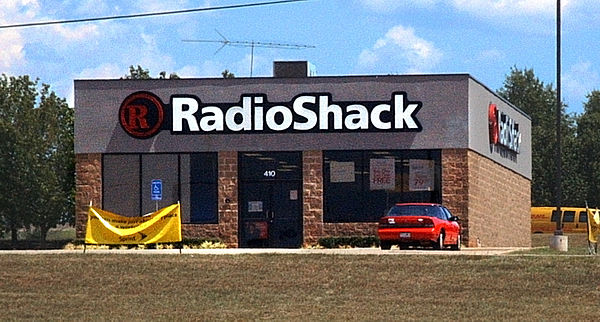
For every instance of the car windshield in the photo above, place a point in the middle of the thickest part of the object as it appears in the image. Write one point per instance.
(416, 210)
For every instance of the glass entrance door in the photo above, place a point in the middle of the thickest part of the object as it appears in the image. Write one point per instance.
(271, 199)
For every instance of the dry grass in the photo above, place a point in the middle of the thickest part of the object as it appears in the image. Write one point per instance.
(298, 287)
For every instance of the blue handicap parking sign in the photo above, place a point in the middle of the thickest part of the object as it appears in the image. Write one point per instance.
(156, 189)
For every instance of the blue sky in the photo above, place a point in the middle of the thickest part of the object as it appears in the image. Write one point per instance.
(484, 38)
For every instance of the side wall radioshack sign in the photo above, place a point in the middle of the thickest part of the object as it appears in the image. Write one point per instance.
(504, 131)
(143, 115)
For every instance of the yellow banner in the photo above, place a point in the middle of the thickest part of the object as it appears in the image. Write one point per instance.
(163, 226)
(593, 225)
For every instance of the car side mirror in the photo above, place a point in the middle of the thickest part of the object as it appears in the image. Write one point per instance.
(454, 218)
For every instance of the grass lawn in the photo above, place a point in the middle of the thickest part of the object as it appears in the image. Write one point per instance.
(298, 287)
(578, 245)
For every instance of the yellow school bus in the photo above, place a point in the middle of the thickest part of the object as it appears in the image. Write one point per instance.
(543, 219)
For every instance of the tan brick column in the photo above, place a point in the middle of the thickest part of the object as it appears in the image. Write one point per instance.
(455, 187)
(312, 173)
(88, 187)
(228, 197)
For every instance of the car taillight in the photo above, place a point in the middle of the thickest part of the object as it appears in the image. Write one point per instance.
(425, 222)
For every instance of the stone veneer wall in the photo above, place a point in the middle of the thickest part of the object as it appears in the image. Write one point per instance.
(492, 201)
(499, 204)
(312, 174)
(227, 228)
(455, 187)
(88, 185)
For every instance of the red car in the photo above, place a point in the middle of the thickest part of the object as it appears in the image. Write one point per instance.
(419, 224)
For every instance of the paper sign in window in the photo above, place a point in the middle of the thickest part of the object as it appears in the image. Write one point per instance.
(420, 175)
(382, 174)
(341, 172)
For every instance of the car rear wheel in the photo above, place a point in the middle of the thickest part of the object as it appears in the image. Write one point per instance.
(440, 241)
(458, 241)
(385, 245)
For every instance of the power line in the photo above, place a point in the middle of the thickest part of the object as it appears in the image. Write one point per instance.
(149, 14)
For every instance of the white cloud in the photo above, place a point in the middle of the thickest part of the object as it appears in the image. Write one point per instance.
(77, 33)
(12, 42)
(579, 81)
(11, 49)
(103, 71)
(400, 50)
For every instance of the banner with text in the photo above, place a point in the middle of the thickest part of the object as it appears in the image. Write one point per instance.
(162, 226)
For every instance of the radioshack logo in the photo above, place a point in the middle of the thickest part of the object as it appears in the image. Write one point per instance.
(503, 129)
(141, 115)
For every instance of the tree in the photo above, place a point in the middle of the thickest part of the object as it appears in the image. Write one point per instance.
(588, 143)
(524, 90)
(227, 74)
(138, 73)
(141, 73)
(37, 165)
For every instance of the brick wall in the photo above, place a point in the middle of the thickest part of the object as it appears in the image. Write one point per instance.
(312, 172)
(88, 183)
(499, 204)
(455, 186)
(492, 202)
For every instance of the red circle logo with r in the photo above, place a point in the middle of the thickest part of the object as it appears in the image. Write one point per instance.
(141, 115)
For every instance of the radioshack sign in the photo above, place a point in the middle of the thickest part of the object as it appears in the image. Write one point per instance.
(143, 115)
(503, 129)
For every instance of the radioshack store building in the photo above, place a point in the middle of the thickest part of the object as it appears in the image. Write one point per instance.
(283, 161)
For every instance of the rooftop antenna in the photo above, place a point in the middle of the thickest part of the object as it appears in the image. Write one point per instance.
(226, 42)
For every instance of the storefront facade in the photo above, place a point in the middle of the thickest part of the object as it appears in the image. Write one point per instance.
(284, 161)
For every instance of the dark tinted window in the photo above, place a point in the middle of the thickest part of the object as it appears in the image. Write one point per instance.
(554, 217)
(416, 210)
(259, 166)
(583, 216)
(203, 188)
(188, 178)
(569, 216)
(351, 194)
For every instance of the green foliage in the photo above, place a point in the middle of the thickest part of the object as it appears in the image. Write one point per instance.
(588, 143)
(227, 74)
(524, 90)
(141, 73)
(352, 241)
(37, 163)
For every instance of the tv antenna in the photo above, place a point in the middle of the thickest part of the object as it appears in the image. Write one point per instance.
(226, 42)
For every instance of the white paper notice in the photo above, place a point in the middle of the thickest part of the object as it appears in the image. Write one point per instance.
(420, 175)
(341, 172)
(382, 174)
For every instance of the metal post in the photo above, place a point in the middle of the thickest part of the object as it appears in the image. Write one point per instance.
(558, 183)
(559, 241)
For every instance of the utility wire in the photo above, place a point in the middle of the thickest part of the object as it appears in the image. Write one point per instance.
(149, 14)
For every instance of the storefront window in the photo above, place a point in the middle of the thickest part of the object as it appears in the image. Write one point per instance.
(203, 188)
(360, 186)
(190, 179)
